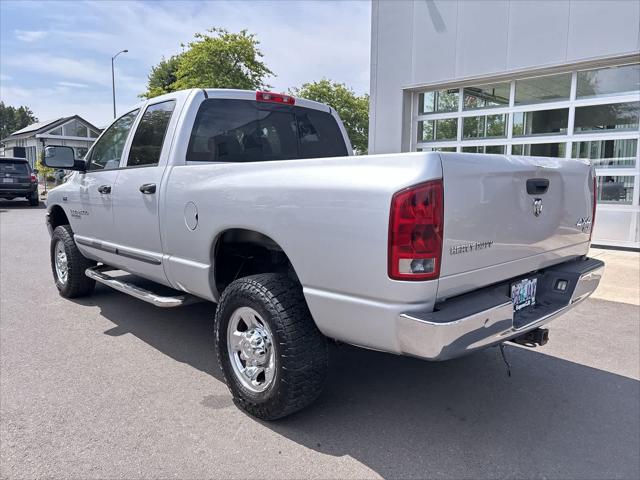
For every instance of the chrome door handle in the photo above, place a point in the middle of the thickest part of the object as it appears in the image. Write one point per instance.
(105, 189)
(148, 188)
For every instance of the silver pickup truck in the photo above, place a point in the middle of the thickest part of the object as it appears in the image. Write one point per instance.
(253, 200)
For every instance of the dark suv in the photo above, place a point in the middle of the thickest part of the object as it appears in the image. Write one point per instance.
(18, 180)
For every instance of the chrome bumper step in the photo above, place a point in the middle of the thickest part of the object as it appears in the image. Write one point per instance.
(98, 274)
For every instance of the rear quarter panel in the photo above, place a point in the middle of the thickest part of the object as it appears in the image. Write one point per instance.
(330, 216)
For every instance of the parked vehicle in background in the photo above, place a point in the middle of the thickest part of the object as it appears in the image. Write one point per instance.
(254, 201)
(18, 180)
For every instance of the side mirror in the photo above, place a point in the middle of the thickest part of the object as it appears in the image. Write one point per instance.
(35, 171)
(56, 156)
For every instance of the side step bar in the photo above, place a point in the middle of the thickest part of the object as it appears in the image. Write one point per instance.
(97, 274)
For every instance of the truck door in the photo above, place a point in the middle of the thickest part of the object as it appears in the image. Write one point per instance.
(90, 206)
(136, 194)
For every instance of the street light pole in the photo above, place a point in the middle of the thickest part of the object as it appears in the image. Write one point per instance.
(113, 81)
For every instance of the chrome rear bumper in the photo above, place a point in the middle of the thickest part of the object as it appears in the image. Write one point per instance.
(483, 318)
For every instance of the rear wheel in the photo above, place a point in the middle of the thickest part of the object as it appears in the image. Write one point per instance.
(68, 265)
(34, 200)
(273, 356)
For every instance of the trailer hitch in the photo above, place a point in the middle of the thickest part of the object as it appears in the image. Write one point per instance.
(537, 337)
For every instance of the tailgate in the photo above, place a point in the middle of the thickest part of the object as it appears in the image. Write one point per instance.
(515, 213)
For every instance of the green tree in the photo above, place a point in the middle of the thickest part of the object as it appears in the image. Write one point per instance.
(216, 59)
(13, 119)
(162, 77)
(353, 109)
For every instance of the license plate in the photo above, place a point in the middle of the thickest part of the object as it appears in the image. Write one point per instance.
(7, 180)
(523, 293)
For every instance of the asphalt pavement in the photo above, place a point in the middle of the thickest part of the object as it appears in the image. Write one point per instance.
(111, 387)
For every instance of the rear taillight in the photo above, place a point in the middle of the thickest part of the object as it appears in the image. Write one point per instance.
(275, 98)
(595, 202)
(34, 178)
(415, 232)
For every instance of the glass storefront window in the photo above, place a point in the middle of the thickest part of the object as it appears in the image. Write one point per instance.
(487, 96)
(439, 101)
(608, 81)
(617, 190)
(442, 129)
(499, 149)
(617, 116)
(541, 122)
(540, 149)
(551, 88)
(607, 153)
(484, 126)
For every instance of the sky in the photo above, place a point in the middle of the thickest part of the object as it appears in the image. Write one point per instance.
(55, 57)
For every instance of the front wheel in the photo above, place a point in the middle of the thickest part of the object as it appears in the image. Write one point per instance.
(68, 264)
(273, 357)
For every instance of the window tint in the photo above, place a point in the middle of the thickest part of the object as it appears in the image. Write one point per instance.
(19, 168)
(149, 137)
(598, 118)
(107, 151)
(540, 122)
(556, 150)
(248, 131)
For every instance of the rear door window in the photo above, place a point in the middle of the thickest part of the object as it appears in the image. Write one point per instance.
(149, 137)
(248, 131)
(15, 168)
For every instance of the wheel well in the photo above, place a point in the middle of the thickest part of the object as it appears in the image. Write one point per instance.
(57, 217)
(239, 253)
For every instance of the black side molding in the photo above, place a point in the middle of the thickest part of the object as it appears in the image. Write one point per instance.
(119, 251)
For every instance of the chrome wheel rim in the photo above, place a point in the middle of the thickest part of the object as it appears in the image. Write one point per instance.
(60, 262)
(250, 349)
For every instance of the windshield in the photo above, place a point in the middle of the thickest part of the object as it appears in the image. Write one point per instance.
(247, 131)
(18, 168)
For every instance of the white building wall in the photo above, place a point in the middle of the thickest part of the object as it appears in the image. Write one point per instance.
(431, 42)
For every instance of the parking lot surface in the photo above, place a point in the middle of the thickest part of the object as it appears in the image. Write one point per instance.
(111, 387)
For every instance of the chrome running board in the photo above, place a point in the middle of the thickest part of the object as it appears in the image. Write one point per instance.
(97, 274)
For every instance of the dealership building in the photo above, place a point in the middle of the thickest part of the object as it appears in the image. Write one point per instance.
(556, 79)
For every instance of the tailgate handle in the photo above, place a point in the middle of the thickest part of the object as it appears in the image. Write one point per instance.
(537, 186)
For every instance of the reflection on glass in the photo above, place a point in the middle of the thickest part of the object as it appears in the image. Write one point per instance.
(608, 153)
(618, 190)
(542, 122)
(540, 149)
(442, 129)
(486, 96)
(551, 88)
(499, 149)
(439, 101)
(617, 116)
(485, 126)
(608, 81)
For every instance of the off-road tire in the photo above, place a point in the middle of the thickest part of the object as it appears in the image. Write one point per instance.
(301, 351)
(77, 284)
(34, 200)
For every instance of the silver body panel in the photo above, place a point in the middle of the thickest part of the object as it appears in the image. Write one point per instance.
(331, 218)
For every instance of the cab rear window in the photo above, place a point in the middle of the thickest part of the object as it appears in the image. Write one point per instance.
(18, 168)
(247, 131)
